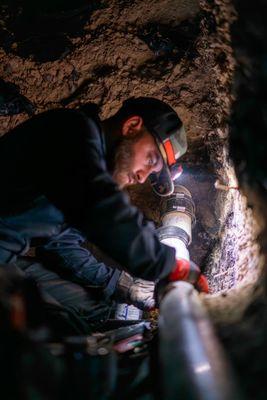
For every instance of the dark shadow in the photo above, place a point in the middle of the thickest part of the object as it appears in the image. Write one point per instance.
(42, 30)
(248, 137)
(175, 42)
(246, 340)
(12, 102)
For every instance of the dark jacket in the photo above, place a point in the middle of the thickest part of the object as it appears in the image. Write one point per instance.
(55, 184)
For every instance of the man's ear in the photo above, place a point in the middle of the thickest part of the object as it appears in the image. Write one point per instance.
(132, 125)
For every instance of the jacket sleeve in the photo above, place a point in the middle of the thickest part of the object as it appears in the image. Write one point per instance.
(65, 252)
(72, 171)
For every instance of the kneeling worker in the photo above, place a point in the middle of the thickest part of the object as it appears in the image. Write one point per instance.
(62, 175)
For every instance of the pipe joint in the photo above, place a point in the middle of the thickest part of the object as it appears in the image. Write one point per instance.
(177, 218)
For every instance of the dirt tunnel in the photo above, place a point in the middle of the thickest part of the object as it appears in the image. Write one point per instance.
(200, 57)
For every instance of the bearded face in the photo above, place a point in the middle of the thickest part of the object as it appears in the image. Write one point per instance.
(123, 161)
(136, 157)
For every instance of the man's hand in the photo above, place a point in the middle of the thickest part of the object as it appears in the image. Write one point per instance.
(136, 291)
(188, 271)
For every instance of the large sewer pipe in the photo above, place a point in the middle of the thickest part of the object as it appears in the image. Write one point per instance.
(192, 362)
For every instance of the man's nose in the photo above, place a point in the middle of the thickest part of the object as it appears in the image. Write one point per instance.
(142, 175)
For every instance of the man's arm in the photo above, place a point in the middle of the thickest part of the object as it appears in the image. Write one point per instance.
(72, 172)
(64, 252)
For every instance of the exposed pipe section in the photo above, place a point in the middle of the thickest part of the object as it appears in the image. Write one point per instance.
(178, 217)
(192, 362)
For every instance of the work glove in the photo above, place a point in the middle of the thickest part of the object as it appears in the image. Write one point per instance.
(188, 271)
(135, 291)
(184, 270)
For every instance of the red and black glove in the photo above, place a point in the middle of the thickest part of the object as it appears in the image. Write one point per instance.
(184, 270)
(188, 271)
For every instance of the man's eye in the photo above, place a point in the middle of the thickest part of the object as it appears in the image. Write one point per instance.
(151, 161)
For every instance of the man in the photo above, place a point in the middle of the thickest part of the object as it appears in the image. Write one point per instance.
(61, 178)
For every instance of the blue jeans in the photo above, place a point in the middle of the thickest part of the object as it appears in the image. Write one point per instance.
(70, 308)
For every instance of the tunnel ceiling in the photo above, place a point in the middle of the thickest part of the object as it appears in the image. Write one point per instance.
(55, 55)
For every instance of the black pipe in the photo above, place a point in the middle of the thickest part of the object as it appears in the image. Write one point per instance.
(192, 362)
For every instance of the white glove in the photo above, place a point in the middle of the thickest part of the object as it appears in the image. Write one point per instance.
(136, 291)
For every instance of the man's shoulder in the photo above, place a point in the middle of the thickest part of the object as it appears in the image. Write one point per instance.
(77, 118)
(78, 127)
(91, 110)
(52, 130)
(63, 116)
(88, 110)
(67, 124)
